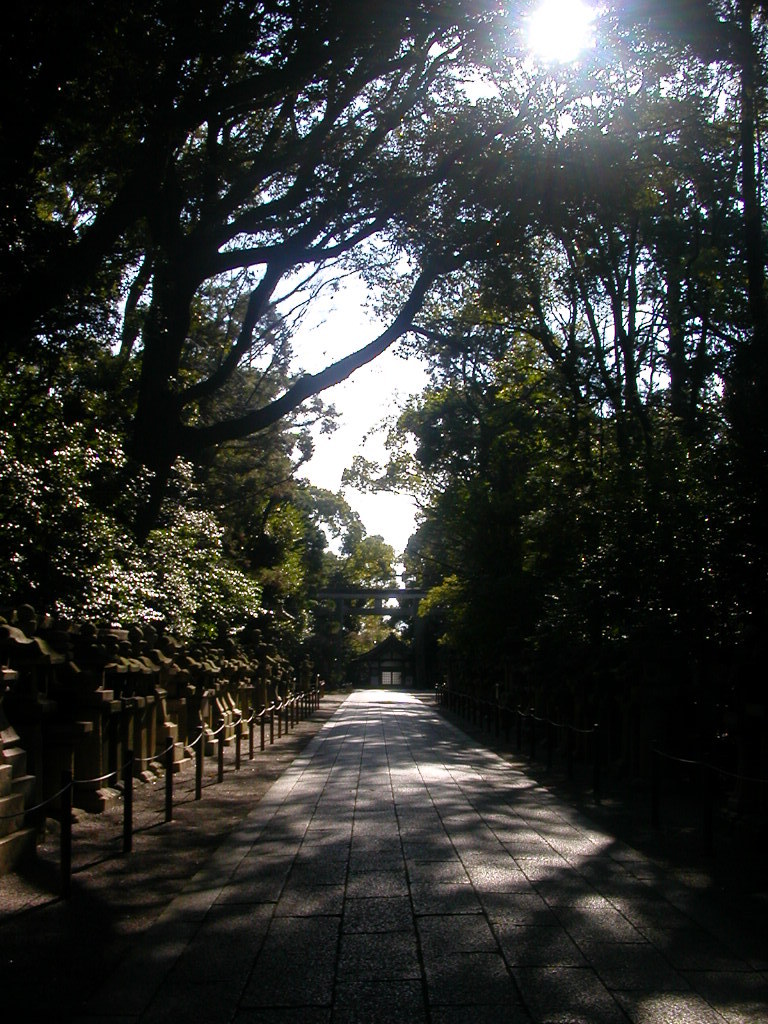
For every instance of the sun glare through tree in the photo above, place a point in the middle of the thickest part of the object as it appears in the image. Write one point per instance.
(560, 30)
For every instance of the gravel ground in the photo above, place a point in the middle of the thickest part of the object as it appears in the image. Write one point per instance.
(55, 953)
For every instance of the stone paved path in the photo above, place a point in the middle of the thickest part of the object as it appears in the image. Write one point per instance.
(397, 873)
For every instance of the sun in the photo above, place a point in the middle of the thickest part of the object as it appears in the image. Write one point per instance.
(559, 30)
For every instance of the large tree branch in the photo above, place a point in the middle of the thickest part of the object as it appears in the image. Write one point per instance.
(257, 303)
(195, 439)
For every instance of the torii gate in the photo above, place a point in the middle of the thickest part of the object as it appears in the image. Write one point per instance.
(371, 600)
(374, 601)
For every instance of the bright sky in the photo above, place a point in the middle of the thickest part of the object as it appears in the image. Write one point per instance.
(363, 401)
(558, 30)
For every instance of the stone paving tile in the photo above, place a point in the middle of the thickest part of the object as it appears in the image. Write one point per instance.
(379, 956)
(378, 914)
(321, 833)
(422, 827)
(651, 915)
(329, 849)
(256, 880)
(741, 999)
(279, 983)
(386, 858)
(545, 867)
(310, 901)
(633, 966)
(468, 979)
(289, 934)
(377, 883)
(567, 995)
(226, 946)
(693, 949)
(519, 908)
(443, 871)
(456, 933)
(398, 874)
(371, 1002)
(437, 898)
(564, 889)
(432, 848)
(532, 946)
(513, 1013)
(182, 1001)
(315, 869)
(284, 1015)
(668, 1008)
(501, 877)
(597, 922)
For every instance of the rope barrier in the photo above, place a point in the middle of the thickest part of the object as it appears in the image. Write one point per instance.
(98, 778)
(523, 714)
(590, 731)
(710, 767)
(165, 758)
(36, 807)
(739, 778)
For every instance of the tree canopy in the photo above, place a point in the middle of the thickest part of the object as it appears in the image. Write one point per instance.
(577, 252)
(158, 151)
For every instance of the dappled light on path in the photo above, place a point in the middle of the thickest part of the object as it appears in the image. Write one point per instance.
(397, 871)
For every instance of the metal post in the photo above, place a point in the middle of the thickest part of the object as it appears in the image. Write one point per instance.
(221, 750)
(569, 750)
(655, 788)
(128, 803)
(597, 764)
(262, 723)
(65, 834)
(238, 738)
(199, 755)
(272, 723)
(251, 729)
(707, 805)
(169, 779)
